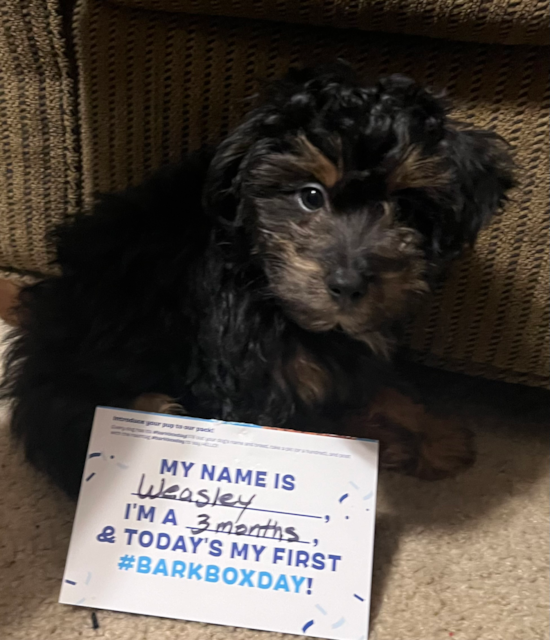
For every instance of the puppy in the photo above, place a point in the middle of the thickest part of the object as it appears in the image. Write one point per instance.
(263, 281)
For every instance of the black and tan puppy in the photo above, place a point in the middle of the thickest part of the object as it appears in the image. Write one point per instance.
(262, 281)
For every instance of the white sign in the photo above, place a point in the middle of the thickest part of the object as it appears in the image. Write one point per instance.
(225, 523)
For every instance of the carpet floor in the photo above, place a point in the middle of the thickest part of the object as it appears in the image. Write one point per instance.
(466, 558)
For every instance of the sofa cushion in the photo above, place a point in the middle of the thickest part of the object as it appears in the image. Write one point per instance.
(497, 21)
(39, 179)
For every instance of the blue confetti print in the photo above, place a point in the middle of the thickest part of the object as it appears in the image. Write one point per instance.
(338, 624)
(307, 626)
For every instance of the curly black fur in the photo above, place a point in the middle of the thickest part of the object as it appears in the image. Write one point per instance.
(208, 282)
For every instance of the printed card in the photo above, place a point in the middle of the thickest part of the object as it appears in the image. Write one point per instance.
(225, 523)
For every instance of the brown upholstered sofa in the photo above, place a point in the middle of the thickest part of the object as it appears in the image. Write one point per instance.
(96, 93)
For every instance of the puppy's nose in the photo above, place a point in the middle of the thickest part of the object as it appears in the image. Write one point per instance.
(347, 285)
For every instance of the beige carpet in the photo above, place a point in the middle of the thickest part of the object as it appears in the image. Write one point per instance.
(465, 558)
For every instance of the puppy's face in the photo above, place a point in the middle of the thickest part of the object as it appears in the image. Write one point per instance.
(352, 195)
(334, 250)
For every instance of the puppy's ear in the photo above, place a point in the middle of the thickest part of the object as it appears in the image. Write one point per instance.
(473, 172)
(482, 169)
(222, 187)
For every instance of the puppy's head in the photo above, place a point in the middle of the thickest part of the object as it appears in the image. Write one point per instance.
(352, 195)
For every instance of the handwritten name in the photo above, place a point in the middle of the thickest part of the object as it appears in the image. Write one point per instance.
(200, 498)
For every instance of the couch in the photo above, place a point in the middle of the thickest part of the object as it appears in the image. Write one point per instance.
(95, 94)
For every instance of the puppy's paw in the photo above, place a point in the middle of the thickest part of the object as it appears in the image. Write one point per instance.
(413, 441)
(445, 454)
(434, 456)
(158, 403)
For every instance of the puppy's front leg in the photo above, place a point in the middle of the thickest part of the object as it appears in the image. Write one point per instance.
(412, 441)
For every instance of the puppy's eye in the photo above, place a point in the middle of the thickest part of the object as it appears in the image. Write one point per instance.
(311, 198)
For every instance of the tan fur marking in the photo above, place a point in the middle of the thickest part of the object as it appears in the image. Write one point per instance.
(297, 274)
(8, 302)
(157, 403)
(318, 164)
(416, 171)
(299, 263)
(308, 378)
